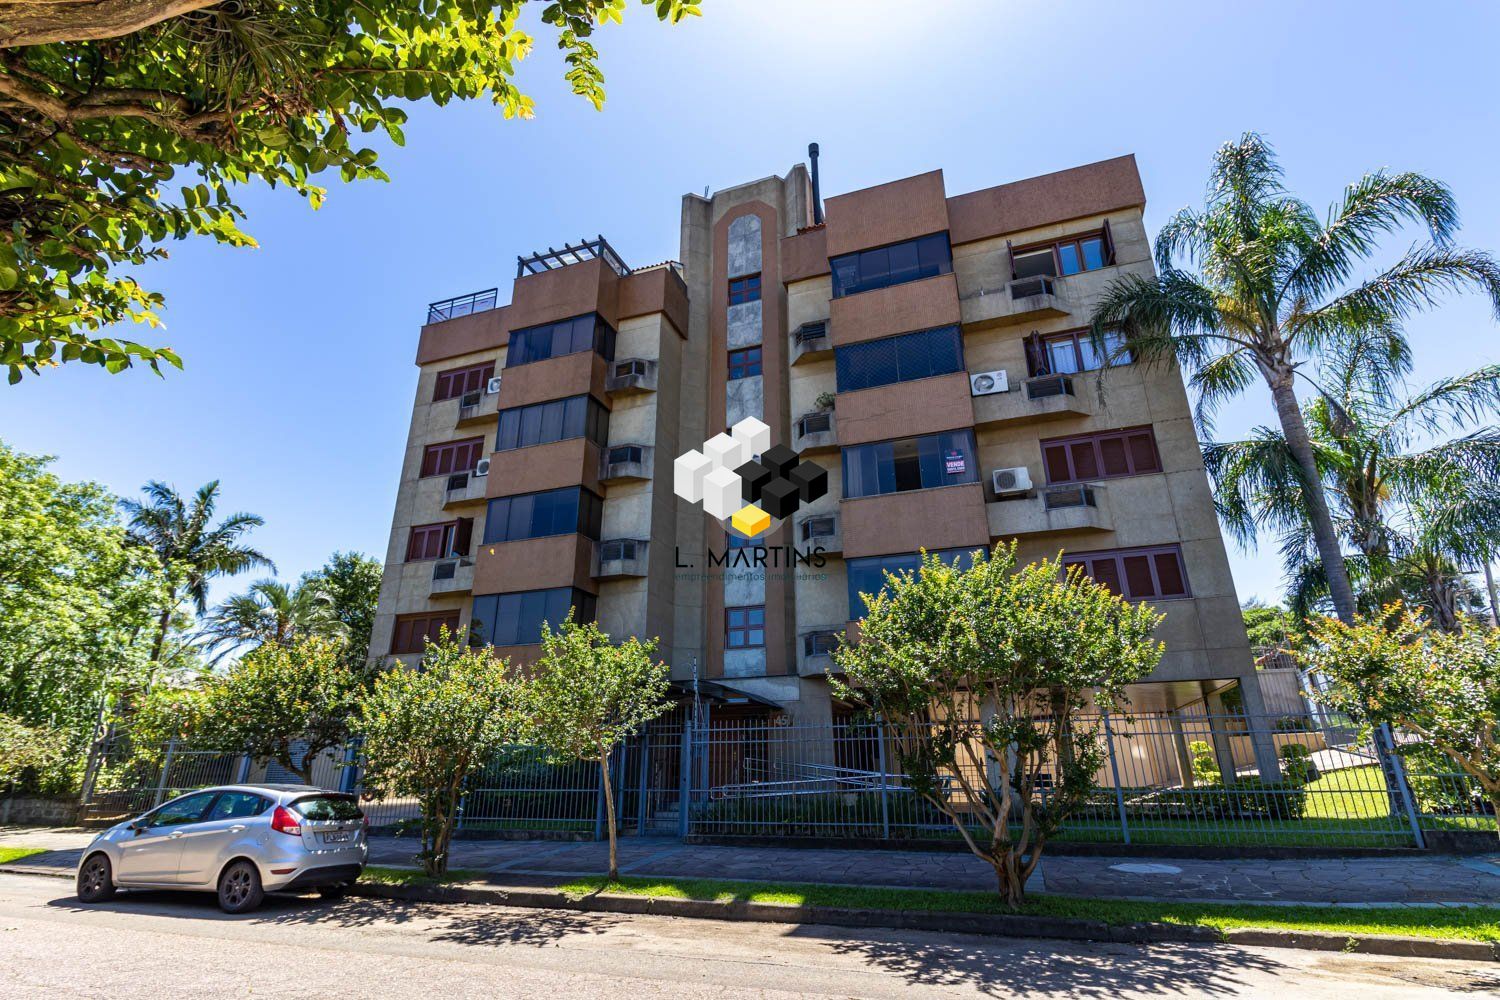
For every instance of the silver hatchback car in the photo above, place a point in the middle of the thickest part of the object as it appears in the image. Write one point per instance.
(240, 841)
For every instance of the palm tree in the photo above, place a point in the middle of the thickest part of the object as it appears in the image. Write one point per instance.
(1412, 517)
(1272, 291)
(191, 547)
(272, 612)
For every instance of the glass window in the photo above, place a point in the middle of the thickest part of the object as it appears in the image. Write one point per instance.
(1034, 263)
(516, 619)
(867, 575)
(919, 463)
(411, 631)
(557, 420)
(430, 541)
(236, 805)
(745, 627)
(553, 340)
(1072, 352)
(880, 267)
(1093, 253)
(188, 809)
(450, 457)
(744, 363)
(1069, 256)
(322, 808)
(1068, 261)
(903, 358)
(539, 515)
(746, 289)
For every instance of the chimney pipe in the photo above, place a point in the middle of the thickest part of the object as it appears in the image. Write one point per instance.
(817, 206)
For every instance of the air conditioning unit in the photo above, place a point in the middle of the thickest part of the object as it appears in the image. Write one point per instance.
(989, 383)
(482, 467)
(1009, 482)
(492, 386)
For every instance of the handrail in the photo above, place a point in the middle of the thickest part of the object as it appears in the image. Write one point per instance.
(462, 305)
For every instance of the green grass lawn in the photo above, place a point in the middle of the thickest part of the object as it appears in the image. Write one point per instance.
(10, 854)
(1474, 924)
(414, 876)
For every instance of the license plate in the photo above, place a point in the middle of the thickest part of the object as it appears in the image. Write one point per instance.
(337, 838)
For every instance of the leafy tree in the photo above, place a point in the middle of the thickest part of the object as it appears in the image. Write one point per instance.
(586, 696)
(977, 675)
(426, 732)
(289, 703)
(351, 583)
(1272, 289)
(128, 123)
(190, 546)
(1412, 515)
(271, 612)
(77, 603)
(1443, 687)
(32, 758)
(1268, 627)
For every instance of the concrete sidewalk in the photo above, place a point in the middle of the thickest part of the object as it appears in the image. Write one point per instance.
(1420, 880)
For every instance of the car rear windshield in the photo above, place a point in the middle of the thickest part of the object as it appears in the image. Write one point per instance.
(327, 807)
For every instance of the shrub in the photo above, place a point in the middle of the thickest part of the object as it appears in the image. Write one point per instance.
(1205, 764)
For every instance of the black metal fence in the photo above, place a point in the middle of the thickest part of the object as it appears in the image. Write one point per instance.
(1171, 778)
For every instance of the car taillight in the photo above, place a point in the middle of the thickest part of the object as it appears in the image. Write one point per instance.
(283, 820)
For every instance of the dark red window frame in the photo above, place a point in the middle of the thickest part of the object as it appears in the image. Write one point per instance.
(1106, 250)
(451, 456)
(744, 363)
(1154, 573)
(742, 623)
(1130, 451)
(410, 630)
(430, 541)
(460, 381)
(746, 289)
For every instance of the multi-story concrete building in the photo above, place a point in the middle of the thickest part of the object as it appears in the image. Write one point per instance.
(926, 349)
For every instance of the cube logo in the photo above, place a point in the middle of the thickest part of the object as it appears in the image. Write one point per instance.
(750, 494)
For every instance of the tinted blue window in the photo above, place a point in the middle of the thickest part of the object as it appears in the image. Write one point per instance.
(867, 575)
(880, 267)
(516, 619)
(919, 463)
(553, 340)
(910, 356)
(558, 420)
(538, 515)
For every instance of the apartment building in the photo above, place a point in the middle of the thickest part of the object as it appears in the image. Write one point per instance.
(925, 350)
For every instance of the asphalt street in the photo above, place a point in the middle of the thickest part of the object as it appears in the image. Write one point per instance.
(162, 944)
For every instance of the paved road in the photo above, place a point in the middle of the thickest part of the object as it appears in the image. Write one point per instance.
(151, 945)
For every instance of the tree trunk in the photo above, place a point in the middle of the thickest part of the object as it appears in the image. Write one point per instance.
(1295, 431)
(88, 20)
(164, 623)
(1489, 585)
(609, 814)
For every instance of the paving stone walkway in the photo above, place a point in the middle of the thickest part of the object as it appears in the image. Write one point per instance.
(1417, 880)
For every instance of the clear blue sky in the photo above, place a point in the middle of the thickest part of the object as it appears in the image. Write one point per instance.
(299, 377)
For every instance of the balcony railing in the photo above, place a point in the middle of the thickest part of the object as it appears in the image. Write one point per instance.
(463, 305)
(615, 557)
(631, 374)
(1025, 288)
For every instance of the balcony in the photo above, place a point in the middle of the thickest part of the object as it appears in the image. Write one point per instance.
(1053, 510)
(466, 489)
(462, 305)
(621, 557)
(1025, 300)
(815, 432)
(885, 312)
(1048, 397)
(452, 576)
(623, 463)
(477, 407)
(815, 650)
(810, 342)
(944, 517)
(631, 375)
(819, 531)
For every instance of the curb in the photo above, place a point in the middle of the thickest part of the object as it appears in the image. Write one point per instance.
(988, 924)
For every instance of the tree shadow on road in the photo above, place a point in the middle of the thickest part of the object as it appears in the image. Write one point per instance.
(1007, 966)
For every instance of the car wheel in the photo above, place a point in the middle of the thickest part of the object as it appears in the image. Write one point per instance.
(239, 888)
(338, 891)
(96, 881)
